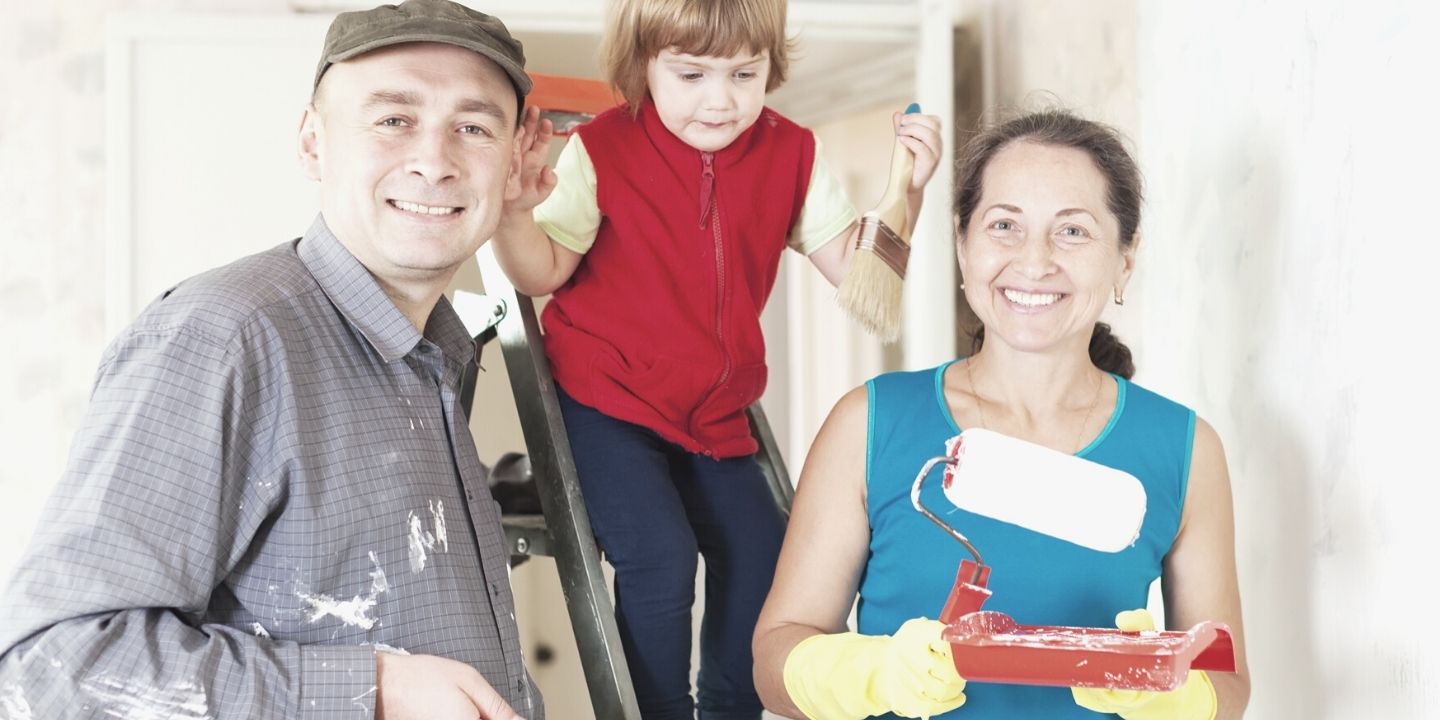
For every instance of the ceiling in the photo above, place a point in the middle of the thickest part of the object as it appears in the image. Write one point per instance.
(851, 55)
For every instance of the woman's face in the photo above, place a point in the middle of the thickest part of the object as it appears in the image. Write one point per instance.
(1041, 254)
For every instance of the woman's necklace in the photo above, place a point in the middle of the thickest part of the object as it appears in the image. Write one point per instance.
(980, 404)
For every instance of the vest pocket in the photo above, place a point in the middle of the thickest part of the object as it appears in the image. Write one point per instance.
(665, 386)
(746, 384)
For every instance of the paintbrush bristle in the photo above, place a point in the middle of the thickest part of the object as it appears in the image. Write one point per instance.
(870, 293)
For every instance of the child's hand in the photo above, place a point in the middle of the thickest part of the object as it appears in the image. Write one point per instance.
(536, 177)
(920, 133)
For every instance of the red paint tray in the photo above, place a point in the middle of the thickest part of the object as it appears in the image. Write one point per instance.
(990, 646)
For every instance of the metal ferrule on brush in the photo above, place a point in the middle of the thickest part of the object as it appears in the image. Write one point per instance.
(877, 237)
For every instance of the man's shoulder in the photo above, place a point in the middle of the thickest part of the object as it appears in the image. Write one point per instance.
(221, 303)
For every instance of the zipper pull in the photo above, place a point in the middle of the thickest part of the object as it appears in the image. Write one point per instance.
(707, 184)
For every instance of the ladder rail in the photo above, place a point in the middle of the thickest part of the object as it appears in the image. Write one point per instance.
(592, 614)
(772, 463)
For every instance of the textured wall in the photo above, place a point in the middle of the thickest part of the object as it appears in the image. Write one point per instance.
(52, 149)
(1288, 273)
(1284, 291)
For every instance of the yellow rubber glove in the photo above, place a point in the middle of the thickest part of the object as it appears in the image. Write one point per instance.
(1194, 700)
(848, 675)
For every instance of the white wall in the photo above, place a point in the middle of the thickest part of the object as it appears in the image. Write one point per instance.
(1284, 292)
(1288, 277)
(52, 275)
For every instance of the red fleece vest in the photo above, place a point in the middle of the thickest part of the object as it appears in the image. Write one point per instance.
(660, 324)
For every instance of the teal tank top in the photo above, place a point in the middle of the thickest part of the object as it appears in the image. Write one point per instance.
(1036, 579)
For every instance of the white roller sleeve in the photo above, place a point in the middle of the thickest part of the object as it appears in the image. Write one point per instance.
(1044, 490)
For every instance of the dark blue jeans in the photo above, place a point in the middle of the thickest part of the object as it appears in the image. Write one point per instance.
(654, 509)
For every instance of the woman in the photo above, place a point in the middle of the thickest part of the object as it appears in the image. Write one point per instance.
(1046, 216)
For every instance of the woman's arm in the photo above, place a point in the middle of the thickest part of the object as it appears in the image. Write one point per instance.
(1199, 581)
(826, 544)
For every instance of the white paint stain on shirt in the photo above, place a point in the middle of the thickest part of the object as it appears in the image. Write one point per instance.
(354, 611)
(365, 702)
(437, 512)
(378, 583)
(128, 700)
(13, 705)
(260, 630)
(421, 542)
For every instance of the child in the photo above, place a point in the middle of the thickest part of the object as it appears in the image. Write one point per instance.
(660, 235)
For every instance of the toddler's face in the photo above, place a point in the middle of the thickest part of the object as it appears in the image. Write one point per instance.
(708, 101)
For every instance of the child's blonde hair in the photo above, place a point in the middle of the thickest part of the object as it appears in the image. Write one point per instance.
(639, 29)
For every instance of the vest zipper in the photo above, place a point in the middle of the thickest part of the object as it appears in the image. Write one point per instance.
(707, 185)
(711, 209)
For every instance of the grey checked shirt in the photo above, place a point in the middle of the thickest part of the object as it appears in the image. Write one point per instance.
(274, 480)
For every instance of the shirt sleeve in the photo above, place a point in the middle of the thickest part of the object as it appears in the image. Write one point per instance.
(571, 215)
(104, 615)
(827, 210)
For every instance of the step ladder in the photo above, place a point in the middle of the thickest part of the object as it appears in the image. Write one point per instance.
(563, 531)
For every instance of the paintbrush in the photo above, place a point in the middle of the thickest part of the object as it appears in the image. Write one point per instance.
(870, 291)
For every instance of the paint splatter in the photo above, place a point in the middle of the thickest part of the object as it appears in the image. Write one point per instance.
(354, 611)
(364, 702)
(382, 647)
(421, 541)
(260, 630)
(378, 583)
(437, 512)
(13, 705)
(131, 701)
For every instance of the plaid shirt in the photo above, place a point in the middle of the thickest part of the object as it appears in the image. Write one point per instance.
(274, 480)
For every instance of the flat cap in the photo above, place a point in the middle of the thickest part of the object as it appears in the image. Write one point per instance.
(440, 21)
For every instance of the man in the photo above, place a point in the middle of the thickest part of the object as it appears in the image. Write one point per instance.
(273, 507)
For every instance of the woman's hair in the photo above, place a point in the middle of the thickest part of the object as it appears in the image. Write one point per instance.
(1105, 147)
(639, 29)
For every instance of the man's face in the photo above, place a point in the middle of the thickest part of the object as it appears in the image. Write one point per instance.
(414, 148)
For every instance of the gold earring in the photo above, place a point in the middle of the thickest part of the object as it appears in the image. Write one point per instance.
(1119, 299)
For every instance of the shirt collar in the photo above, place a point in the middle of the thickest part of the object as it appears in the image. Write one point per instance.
(356, 294)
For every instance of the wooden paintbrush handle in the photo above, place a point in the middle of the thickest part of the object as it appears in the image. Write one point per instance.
(894, 207)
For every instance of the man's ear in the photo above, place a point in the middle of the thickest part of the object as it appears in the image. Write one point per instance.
(311, 131)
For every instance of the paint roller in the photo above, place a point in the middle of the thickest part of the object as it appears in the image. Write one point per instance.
(1079, 501)
(1044, 490)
